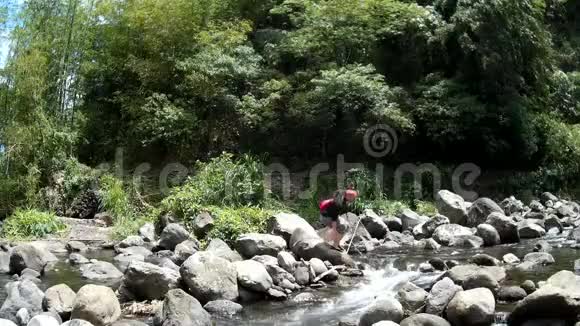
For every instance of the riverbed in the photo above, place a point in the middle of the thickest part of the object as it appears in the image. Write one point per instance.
(385, 270)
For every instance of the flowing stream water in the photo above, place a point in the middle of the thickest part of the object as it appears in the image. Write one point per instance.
(385, 271)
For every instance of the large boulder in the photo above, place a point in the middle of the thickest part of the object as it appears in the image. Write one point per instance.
(43, 320)
(253, 276)
(202, 224)
(511, 294)
(505, 226)
(29, 256)
(410, 219)
(23, 294)
(472, 307)
(412, 298)
(530, 230)
(97, 305)
(184, 250)
(172, 235)
(252, 244)
(441, 293)
(210, 277)
(287, 261)
(221, 249)
(307, 244)
(149, 282)
(6, 322)
(60, 299)
(424, 320)
(147, 232)
(100, 270)
(512, 206)
(489, 235)
(374, 224)
(446, 233)
(132, 241)
(466, 241)
(481, 280)
(451, 205)
(480, 210)
(386, 308)
(180, 308)
(547, 302)
(284, 225)
(223, 308)
(459, 274)
(124, 260)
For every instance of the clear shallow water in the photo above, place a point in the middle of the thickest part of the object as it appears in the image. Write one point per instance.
(386, 271)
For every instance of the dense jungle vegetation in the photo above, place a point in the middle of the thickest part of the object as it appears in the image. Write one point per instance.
(494, 82)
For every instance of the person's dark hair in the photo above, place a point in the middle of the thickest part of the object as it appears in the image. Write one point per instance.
(339, 197)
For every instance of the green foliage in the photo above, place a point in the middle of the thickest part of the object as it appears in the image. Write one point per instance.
(223, 181)
(30, 223)
(232, 222)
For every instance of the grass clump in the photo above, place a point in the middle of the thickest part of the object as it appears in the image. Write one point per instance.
(31, 223)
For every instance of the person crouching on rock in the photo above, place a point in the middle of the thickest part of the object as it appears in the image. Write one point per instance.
(331, 209)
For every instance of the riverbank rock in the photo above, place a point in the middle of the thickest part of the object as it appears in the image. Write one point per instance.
(512, 206)
(221, 249)
(410, 219)
(172, 235)
(43, 320)
(480, 210)
(60, 299)
(77, 259)
(427, 228)
(535, 260)
(530, 230)
(387, 309)
(253, 276)
(484, 260)
(76, 246)
(4, 262)
(149, 282)
(374, 224)
(481, 280)
(210, 277)
(445, 234)
(184, 250)
(100, 270)
(252, 244)
(466, 242)
(424, 320)
(510, 259)
(489, 235)
(472, 307)
(223, 308)
(462, 272)
(505, 226)
(547, 302)
(6, 322)
(394, 223)
(179, 308)
(284, 225)
(451, 205)
(412, 298)
(511, 294)
(202, 224)
(147, 232)
(307, 245)
(77, 322)
(132, 241)
(441, 293)
(29, 256)
(287, 261)
(97, 305)
(22, 294)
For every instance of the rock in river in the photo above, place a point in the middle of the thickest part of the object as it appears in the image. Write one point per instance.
(97, 305)
(472, 308)
(209, 277)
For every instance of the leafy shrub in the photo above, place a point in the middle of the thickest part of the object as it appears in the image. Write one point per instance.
(116, 200)
(232, 222)
(32, 223)
(223, 181)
